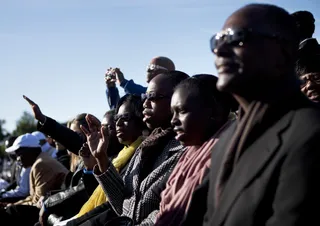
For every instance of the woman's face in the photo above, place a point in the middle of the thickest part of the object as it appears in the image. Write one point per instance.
(126, 127)
(190, 119)
(109, 123)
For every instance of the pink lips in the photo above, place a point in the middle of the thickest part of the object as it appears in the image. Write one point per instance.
(180, 134)
(147, 114)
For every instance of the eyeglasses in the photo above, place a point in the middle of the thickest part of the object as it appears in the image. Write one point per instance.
(154, 67)
(152, 96)
(314, 77)
(124, 117)
(237, 37)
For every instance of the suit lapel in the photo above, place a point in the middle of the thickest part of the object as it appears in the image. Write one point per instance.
(253, 160)
(217, 157)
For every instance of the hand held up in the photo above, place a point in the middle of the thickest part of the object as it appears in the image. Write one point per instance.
(36, 110)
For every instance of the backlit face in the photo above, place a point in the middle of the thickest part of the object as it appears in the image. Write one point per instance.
(126, 127)
(110, 124)
(247, 64)
(311, 86)
(24, 158)
(190, 119)
(157, 111)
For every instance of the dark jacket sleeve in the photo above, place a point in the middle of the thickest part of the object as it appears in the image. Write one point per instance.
(68, 138)
(113, 96)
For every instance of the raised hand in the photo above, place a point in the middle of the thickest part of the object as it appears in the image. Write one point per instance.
(110, 78)
(119, 75)
(98, 141)
(36, 110)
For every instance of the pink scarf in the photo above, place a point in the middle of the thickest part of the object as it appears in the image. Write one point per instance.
(186, 176)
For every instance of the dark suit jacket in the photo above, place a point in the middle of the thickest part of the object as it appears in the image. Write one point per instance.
(275, 182)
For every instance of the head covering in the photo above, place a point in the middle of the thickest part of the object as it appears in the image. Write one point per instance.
(39, 135)
(24, 141)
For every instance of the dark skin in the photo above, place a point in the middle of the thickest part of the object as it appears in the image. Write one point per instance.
(191, 119)
(26, 157)
(114, 145)
(126, 129)
(98, 138)
(117, 75)
(248, 71)
(160, 61)
(311, 86)
(157, 113)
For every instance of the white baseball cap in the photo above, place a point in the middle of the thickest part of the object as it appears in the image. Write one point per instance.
(39, 135)
(24, 141)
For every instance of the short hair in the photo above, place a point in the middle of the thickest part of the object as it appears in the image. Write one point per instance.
(174, 77)
(135, 105)
(204, 86)
(81, 119)
(308, 64)
(111, 112)
(305, 23)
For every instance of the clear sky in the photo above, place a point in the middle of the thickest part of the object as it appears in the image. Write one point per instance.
(56, 52)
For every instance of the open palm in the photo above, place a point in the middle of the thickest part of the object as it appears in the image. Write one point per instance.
(97, 137)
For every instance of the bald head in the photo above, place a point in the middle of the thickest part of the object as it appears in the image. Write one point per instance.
(266, 17)
(169, 80)
(163, 62)
(159, 65)
(305, 24)
(263, 51)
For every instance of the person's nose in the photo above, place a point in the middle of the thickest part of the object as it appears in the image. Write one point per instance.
(223, 49)
(146, 103)
(310, 84)
(174, 120)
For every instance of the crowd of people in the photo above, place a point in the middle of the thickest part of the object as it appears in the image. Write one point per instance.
(237, 149)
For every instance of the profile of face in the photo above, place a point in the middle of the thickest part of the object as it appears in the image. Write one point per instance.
(191, 119)
(24, 157)
(311, 86)
(126, 127)
(109, 123)
(246, 53)
(157, 112)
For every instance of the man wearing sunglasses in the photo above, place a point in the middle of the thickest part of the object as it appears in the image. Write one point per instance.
(265, 166)
(157, 66)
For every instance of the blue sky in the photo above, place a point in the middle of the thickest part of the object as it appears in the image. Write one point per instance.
(56, 52)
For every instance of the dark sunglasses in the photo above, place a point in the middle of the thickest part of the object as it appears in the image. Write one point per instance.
(237, 37)
(124, 117)
(152, 96)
